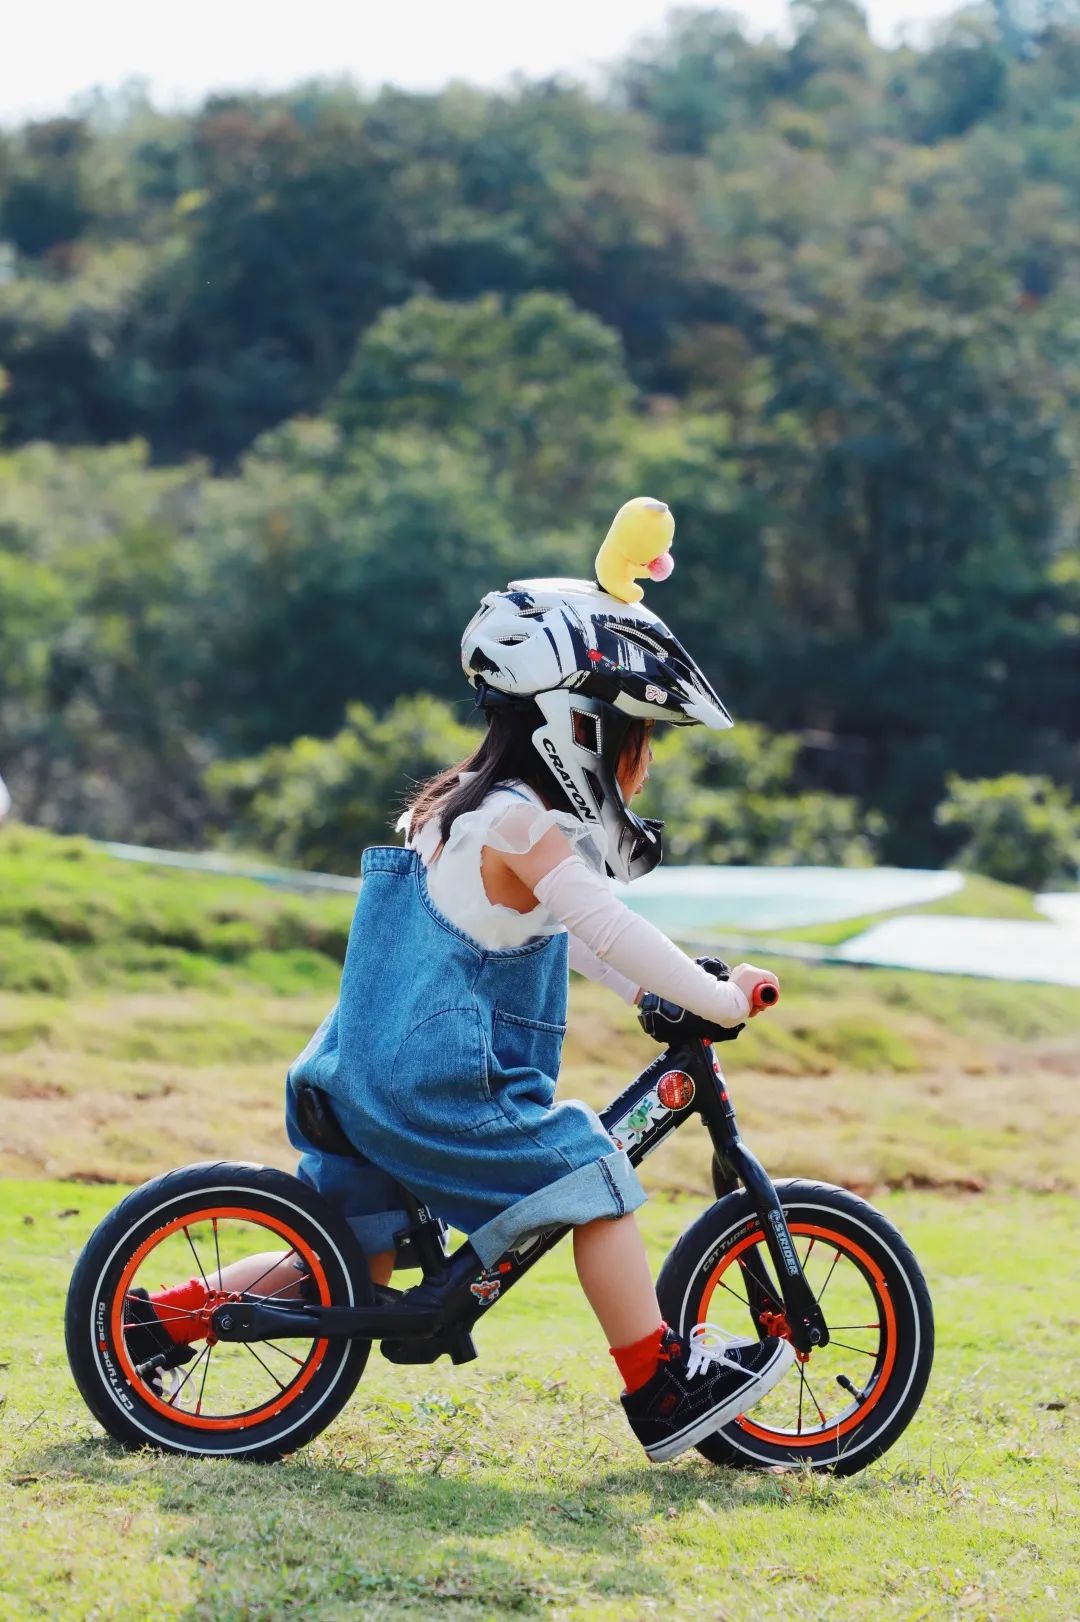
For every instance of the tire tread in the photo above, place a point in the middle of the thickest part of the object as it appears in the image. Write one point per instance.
(258, 1180)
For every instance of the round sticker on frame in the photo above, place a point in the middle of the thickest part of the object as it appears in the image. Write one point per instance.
(675, 1089)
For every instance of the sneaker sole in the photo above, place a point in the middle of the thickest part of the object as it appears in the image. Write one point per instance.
(751, 1394)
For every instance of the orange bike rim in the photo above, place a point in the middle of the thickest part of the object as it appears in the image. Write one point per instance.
(183, 1416)
(875, 1279)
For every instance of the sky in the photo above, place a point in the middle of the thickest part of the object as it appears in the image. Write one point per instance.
(60, 49)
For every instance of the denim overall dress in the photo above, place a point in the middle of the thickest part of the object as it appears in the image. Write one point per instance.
(440, 1058)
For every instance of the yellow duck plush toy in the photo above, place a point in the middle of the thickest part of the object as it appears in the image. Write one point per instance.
(638, 543)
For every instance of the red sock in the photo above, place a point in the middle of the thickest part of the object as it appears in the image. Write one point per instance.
(175, 1308)
(638, 1363)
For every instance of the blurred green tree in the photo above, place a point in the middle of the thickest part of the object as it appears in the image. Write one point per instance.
(734, 799)
(1022, 830)
(537, 388)
(44, 206)
(318, 802)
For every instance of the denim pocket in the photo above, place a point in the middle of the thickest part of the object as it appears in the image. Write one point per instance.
(527, 1044)
(439, 1079)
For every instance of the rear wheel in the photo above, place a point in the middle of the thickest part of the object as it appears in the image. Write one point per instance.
(844, 1404)
(256, 1400)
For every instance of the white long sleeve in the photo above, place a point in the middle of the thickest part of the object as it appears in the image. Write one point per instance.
(583, 961)
(581, 900)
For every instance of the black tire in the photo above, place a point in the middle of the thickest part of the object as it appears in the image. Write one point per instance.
(892, 1365)
(116, 1394)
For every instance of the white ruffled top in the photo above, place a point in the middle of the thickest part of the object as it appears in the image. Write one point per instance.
(608, 943)
(511, 819)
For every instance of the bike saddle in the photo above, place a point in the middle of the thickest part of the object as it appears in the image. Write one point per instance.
(416, 1247)
(317, 1121)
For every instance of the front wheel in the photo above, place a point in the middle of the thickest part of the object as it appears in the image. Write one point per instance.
(256, 1400)
(844, 1404)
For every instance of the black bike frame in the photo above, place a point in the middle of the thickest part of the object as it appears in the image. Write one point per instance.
(457, 1290)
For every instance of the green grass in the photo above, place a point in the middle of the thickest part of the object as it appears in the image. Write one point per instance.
(147, 1018)
(72, 919)
(512, 1487)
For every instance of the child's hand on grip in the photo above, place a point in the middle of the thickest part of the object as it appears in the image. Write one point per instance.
(747, 977)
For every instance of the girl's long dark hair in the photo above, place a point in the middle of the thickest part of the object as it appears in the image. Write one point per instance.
(507, 754)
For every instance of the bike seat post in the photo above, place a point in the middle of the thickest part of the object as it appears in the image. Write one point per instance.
(425, 1234)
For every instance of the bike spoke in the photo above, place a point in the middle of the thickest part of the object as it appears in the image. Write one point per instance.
(266, 1366)
(274, 1347)
(198, 1263)
(810, 1394)
(278, 1262)
(217, 1253)
(273, 1295)
(206, 1368)
(749, 1272)
(735, 1293)
(828, 1276)
(860, 1349)
(204, 1353)
(809, 1248)
(854, 1326)
(165, 1313)
(802, 1388)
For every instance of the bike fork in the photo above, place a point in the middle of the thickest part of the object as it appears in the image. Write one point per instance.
(804, 1319)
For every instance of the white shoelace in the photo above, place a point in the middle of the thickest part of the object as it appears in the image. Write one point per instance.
(709, 1345)
(173, 1389)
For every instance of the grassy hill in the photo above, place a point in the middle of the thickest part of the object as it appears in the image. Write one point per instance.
(147, 1017)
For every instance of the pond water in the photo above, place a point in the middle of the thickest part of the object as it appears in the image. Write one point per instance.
(686, 898)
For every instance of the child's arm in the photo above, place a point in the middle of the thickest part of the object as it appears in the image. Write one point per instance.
(583, 961)
(582, 901)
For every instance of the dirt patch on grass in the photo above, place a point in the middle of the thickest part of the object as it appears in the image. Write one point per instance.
(843, 1086)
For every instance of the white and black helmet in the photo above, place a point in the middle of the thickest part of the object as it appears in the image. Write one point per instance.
(592, 664)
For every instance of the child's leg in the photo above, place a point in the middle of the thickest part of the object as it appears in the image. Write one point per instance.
(615, 1275)
(277, 1273)
(675, 1392)
(272, 1272)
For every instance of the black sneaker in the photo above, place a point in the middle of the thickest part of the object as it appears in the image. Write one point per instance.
(148, 1341)
(700, 1386)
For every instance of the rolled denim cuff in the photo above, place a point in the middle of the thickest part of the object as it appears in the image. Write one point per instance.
(606, 1188)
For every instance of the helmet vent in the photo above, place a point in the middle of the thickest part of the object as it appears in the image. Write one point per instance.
(640, 639)
(597, 788)
(586, 730)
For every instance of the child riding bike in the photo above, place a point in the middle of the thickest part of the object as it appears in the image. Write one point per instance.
(442, 1053)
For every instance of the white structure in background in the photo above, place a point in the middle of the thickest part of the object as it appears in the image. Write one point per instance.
(992, 948)
(5, 800)
(701, 903)
(1061, 907)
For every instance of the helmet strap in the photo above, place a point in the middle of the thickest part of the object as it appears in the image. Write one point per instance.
(489, 698)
